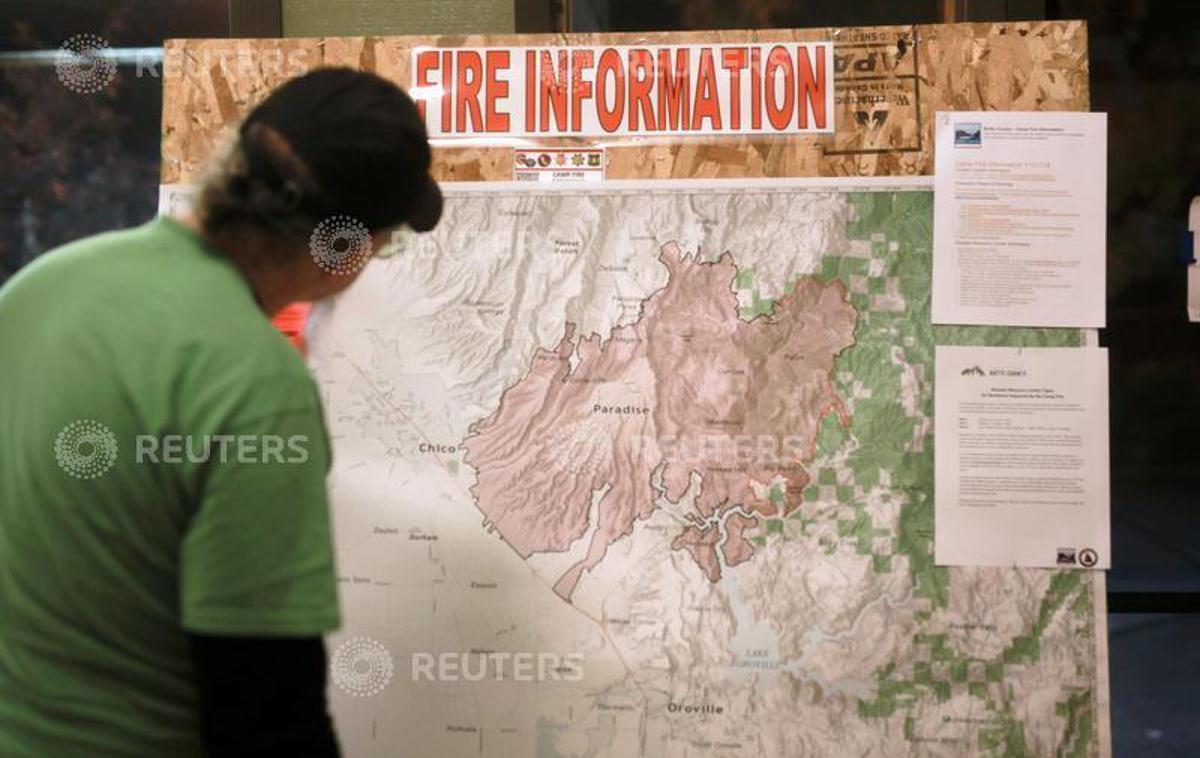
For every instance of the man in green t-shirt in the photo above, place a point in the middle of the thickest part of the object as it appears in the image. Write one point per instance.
(166, 567)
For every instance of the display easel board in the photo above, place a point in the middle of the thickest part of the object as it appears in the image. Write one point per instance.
(929, 660)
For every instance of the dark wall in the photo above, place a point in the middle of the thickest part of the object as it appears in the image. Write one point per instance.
(77, 164)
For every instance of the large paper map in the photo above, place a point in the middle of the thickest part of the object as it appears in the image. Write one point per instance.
(647, 470)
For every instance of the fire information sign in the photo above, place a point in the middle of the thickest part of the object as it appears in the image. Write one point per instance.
(763, 88)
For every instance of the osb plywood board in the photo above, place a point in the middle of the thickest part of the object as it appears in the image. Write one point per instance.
(888, 83)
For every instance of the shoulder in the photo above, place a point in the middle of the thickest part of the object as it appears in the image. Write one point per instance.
(70, 262)
(248, 370)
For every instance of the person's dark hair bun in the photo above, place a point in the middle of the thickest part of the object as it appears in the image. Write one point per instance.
(334, 141)
(250, 187)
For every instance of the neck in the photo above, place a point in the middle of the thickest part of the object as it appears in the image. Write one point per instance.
(252, 250)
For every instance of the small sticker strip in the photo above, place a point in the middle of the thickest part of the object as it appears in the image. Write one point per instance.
(559, 165)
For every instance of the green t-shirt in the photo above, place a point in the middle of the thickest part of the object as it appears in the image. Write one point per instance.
(162, 470)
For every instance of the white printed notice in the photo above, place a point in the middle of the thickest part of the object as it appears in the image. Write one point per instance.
(1021, 457)
(1019, 215)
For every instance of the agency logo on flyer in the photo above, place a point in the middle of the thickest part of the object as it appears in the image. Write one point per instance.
(969, 134)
